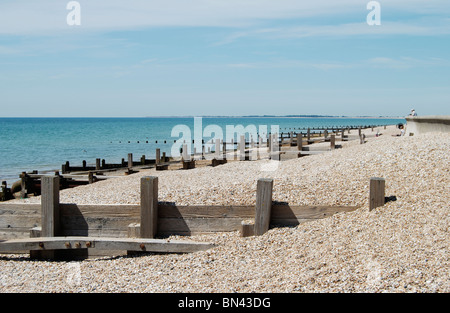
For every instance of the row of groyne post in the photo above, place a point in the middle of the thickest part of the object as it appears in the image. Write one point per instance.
(213, 153)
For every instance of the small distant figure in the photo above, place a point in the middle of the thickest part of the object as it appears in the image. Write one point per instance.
(402, 130)
(413, 113)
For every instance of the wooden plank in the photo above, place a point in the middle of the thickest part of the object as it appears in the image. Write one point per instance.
(149, 206)
(105, 210)
(377, 193)
(170, 210)
(197, 225)
(284, 211)
(113, 220)
(130, 244)
(263, 205)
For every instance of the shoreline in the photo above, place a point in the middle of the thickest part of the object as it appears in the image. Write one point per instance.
(106, 190)
(11, 175)
(206, 116)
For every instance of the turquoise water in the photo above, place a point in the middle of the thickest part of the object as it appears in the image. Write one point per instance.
(41, 144)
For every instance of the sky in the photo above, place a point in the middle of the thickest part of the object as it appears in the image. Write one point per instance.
(140, 58)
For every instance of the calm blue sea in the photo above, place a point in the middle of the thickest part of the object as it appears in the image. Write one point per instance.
(42, 144)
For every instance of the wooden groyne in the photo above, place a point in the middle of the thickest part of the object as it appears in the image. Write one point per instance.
(52, 230)
(285, 145)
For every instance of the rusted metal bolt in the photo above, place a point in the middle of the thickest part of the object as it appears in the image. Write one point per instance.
(77, 245)
(41, 245)
(67, 244)
(142, 246)
(88, 244)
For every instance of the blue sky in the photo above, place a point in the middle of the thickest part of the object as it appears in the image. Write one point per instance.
(224, 57)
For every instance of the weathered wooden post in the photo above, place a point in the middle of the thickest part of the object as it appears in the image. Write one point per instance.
(130, 160)
(263, 205)
(308, 134)
(247, 229)
(90, 177)
(299, 142)
(84, 165)
(275, 148)
(158, 156)
(65, 168)
(333, 141)
(149, 206)
(377, 193)
(242, 148)
(185, 153)
(217, 149)
(3, 191)
(97, 164)
(224, 150)
(50, 206)
(24, 185)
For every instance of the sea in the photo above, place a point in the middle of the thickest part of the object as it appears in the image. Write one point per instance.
(44, 144)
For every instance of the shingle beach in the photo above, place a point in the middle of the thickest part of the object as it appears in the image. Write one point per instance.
(399, 247)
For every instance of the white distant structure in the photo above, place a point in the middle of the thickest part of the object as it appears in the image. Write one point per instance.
(424, 124)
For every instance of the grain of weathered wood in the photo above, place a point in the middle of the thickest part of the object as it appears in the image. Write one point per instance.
(134, 230)
(149, 206)
(299, 142)
(130, 160)
(131, 244)
(50, 206)
(285, 211)
(168, 210)
(377, 192)
(263, 205)
(113, 220)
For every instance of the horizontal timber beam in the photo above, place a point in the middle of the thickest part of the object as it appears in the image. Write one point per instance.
(130, 244)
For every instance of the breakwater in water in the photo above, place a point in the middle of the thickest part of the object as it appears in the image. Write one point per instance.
(42, 144)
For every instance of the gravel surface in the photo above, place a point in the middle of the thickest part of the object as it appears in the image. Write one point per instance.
(400, 247)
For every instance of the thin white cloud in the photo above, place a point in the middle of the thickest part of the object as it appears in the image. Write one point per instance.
(49, 16)
(406, 62)
(400, 63)
(343, 30)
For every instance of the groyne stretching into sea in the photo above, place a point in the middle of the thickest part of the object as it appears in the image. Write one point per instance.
(43, 144)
